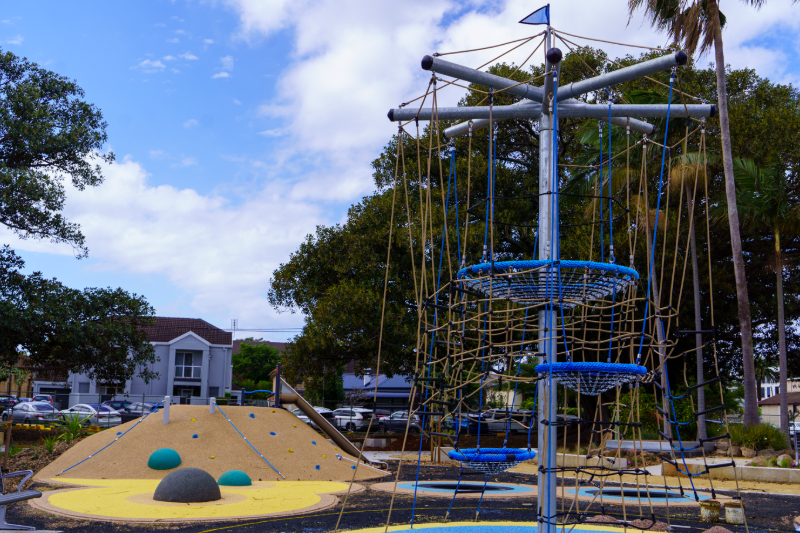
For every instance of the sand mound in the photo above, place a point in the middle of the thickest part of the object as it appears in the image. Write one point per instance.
(127, 458)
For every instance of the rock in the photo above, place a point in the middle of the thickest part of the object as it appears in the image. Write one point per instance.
(797, 523)
(785, 457)
(747, 452)
(756, 462)
(769, 452)
(188, 485)
(595, 452)
(164, 459)
(722, 446)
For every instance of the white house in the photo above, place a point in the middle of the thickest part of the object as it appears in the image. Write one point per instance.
(193, 361)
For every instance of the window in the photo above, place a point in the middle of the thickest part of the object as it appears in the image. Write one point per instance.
(213, 391)
(188, 365)
(83, 388)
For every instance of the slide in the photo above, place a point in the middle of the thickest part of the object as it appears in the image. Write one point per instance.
(289, 395)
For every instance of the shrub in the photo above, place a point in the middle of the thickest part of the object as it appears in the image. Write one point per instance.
(50, 443)
(758, 437)
(786, 463)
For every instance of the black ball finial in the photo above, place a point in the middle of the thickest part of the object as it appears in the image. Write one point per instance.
(427, 63)
(553, 56)
(390, 114)
(681, 57)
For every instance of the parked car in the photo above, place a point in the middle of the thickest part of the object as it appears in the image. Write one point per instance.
(47, 399)
(6, 402)
(92, 414)
(136, 410)
(24, 399)
(397, 422)
(117, 404)
(33, 413)
(323, 411)
(352, 418)
(499, 420)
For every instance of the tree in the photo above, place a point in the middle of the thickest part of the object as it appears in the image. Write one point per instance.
(255, 361)
(689, 22)
(47, 133)
(768, 201)
(98, 332)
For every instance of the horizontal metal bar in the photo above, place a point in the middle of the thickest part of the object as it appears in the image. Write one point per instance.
(622, 75)
(597, 111)
(446, 68)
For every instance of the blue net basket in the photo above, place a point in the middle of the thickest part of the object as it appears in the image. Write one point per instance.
(491, 460)
(592, 378)
(532, 282)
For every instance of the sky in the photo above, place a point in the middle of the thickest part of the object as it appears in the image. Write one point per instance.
(239, 126)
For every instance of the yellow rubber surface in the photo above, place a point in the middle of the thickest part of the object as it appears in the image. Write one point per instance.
(132, 499)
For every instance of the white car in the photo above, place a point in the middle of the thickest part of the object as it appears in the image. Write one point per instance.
(92, 414)
(352, 418)
(299, 414)
(33, 413)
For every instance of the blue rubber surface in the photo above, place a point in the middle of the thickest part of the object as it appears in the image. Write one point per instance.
(674, 496)
(512, 489)
(490, 528)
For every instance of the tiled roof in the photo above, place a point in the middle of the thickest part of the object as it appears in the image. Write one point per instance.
(166, 329)
(792, 397)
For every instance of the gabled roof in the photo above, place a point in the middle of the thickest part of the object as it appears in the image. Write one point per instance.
(792, 397)
(166, 329)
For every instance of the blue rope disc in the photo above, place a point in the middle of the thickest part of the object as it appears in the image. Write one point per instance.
(591, 378)
(566, 283)
(491, 460)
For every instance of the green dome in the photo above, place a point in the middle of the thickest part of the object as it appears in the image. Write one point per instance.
(234, 478)
(164, 459)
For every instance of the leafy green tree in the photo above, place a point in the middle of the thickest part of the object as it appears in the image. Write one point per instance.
(693, 23)
(98, 332)
(47, 133)
(325, 390)
(255, 361)
(768, 201)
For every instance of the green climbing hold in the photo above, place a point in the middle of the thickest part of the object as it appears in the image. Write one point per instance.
(234, 478)
(164, 459)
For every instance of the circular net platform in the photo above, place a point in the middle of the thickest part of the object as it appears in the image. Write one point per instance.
(491, 460)
(592, 378)
(532, 282)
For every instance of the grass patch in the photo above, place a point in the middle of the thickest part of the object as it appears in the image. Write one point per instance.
(758, 437)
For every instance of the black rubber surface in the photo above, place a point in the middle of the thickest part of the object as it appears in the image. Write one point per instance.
(188, 485)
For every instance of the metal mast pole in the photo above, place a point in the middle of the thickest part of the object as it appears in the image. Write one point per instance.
(546, 395)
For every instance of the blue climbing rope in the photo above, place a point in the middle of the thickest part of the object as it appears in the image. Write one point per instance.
(250, 443)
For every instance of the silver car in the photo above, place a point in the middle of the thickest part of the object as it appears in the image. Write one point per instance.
(33, 413)
(352, 419)
(92, 414)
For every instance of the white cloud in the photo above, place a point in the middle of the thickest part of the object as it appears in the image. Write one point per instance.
(17, 39)
(149, 66)
(191, 123)
(158, 154)
(188, 162)
(176, 71)
(208, 41)
(133, 227)
(169, 58)
(227, 62)
(275, 132)
(236, 102)
(221, 75)
(188, 56)
(173, 40)
(180, 32)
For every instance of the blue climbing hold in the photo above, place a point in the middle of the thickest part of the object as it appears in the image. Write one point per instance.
(194, 436)
(317, 467)
(234, 478)
(164, 459)
(119, 433)
(252, 415)
(314, 442)
(353, 467)
(272, 433)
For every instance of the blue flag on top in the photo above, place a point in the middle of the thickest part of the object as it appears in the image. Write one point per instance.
(540, 16)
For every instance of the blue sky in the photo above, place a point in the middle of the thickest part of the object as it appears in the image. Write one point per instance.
(240, 125)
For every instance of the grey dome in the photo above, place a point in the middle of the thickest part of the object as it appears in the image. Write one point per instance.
(188, 485)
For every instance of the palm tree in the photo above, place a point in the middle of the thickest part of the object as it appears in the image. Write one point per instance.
(764, 372)
(693, 23)
(766, 201)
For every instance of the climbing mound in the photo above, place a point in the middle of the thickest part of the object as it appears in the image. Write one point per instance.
(210, 443)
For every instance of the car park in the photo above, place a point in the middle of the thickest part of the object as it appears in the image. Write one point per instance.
(352, 418)
(92, 414)
(136, 410)
(501, 420)
(33, 413)
(47, 399)
(7, 402)
(323, 411)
